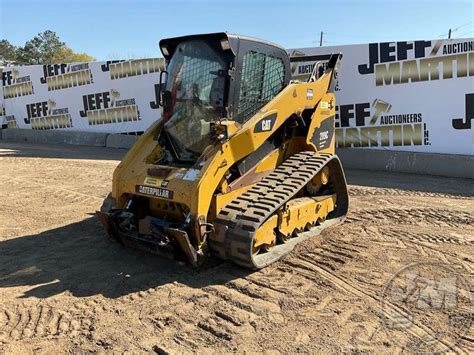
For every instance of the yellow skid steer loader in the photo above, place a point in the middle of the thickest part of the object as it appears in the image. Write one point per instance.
(242, 161)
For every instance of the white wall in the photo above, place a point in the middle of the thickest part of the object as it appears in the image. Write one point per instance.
(424, 83)
(431, 83)
(98, 96)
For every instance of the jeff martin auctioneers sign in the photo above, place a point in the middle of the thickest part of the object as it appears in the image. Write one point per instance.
(409, 96)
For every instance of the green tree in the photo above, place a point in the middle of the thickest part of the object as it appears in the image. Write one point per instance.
(8, 52)
(67, 55)
(44, 48)
(40, 49)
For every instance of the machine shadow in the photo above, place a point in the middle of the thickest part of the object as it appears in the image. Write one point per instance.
(79, 258)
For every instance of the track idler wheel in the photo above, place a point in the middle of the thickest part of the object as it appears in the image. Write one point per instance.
(261, 245)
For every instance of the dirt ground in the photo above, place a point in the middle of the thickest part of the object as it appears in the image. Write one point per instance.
(64, 287)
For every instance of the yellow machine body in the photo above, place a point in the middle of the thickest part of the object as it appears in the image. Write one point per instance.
(195, 196)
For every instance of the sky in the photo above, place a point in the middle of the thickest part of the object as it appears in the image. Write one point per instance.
(121, 29)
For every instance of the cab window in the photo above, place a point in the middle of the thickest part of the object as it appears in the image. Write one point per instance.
(263, 77)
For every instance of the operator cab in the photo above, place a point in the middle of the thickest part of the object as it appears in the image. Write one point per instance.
(214, 76)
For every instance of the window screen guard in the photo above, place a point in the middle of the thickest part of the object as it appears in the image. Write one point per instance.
(263, 78)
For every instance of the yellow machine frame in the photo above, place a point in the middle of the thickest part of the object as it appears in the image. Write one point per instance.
(198, 192)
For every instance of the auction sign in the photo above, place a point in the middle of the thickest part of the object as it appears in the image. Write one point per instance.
(412, 96)
(114, 97)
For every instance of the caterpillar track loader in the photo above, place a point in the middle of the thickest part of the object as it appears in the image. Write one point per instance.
(242, 162)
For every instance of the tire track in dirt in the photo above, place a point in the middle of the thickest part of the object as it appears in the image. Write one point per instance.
(418, 216)
(306, 268)
(228, 310)
(358, 191)
(20, 322)
(206, 315)
(330, 261)
(57, 192)
(436, 245)
(245, 300)
(430, 238)
(332, 255)
(323, 294)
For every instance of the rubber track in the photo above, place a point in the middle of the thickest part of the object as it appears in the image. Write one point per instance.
(240, 219)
